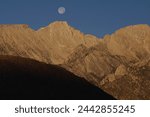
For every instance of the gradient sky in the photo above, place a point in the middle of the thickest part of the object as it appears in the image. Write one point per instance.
(98, 17)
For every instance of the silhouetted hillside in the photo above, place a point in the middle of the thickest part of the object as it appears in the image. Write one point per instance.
(22, 78)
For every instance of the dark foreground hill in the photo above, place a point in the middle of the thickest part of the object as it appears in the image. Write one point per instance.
(119, 64)
(22, 78)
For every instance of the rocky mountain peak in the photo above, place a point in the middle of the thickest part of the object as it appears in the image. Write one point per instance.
(108, 63)
(131, 42)
(58, 23)
(64, 39)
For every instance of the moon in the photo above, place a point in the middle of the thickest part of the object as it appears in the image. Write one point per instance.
(61, 10)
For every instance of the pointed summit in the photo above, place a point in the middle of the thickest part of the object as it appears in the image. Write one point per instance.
(56, 24)
(61, 37)
(118, 61)
(59, 23)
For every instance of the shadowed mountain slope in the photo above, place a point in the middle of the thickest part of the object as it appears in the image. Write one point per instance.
(22, 78)
(119, 63)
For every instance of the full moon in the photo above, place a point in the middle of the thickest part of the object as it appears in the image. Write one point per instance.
(61, 10)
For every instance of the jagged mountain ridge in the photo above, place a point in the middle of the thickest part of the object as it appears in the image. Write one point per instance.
(64, 42)
(20, 40)
(119, 64)
(49, 44)
(122, 57)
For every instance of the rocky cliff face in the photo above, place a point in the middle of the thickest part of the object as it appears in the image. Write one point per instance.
(20, 40)
(133, 42)
(51, 44)
(119, 63)
(63, 39)
(132, 77)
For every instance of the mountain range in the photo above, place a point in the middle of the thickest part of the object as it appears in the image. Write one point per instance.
(119, 63)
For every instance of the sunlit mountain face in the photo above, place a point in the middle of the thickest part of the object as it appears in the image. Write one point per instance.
(118, 64)
(103, 45)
